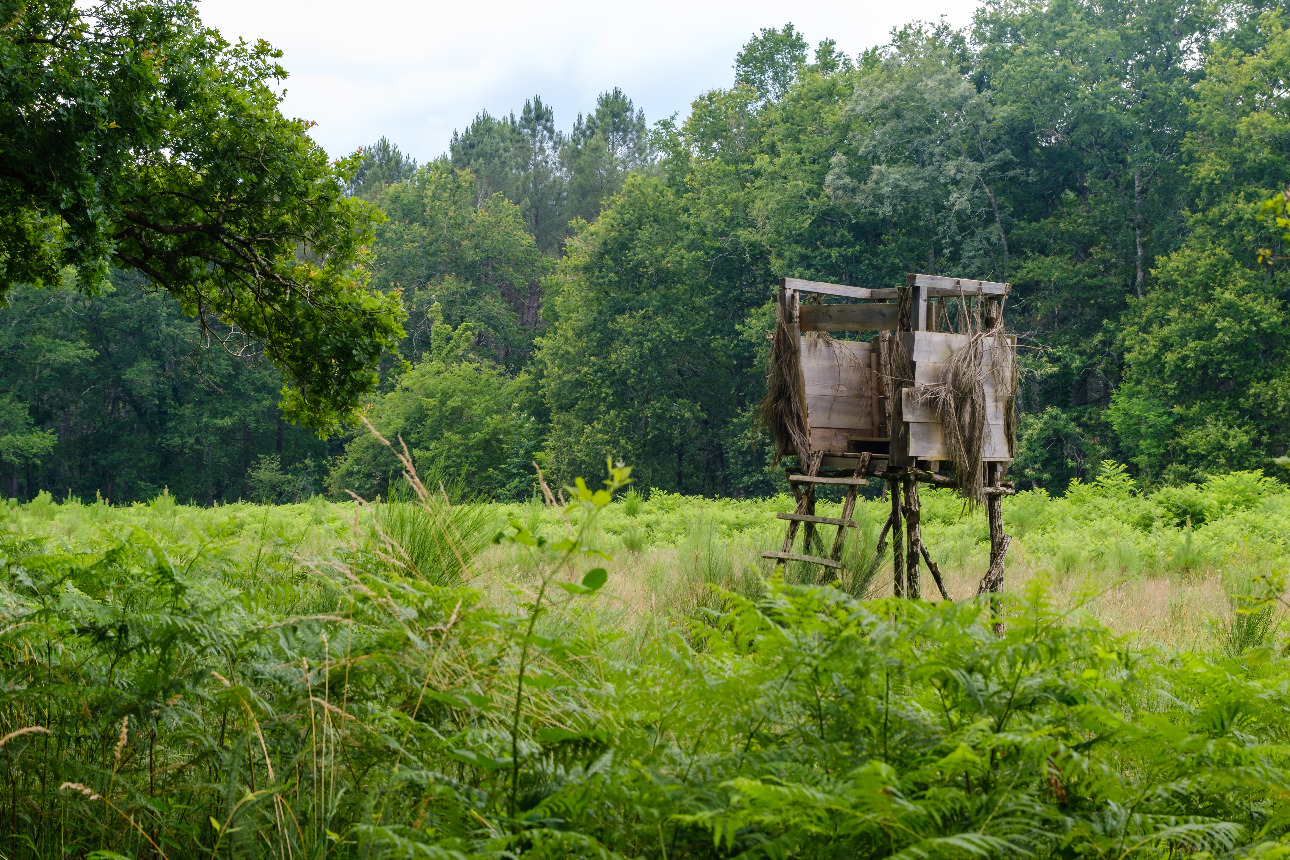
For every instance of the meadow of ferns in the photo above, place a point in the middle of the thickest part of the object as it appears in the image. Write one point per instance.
(426, 680)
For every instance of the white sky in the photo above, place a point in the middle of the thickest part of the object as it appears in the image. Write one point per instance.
(415, 71)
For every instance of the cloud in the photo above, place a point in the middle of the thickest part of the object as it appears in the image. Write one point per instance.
(414, 72)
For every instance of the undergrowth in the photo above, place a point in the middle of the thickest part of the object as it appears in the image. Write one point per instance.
(166, 692)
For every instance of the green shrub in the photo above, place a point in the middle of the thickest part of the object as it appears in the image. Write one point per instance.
(633, 538)
(632, 501)
(1182, 505)
(434, 537)
(1238, 491)
(1254, 613)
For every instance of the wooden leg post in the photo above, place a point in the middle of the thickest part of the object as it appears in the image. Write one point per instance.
(790, 533)
(849, 506)
(897, 546)
(992, 583)
(913, 536)
(934, 571)
(882, 545)
(811, 542)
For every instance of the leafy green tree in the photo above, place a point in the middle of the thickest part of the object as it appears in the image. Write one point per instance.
(1207, 352)
(636, 363)
(382, 164)
(1054, 449)
(655, 347)
(22, 446)
(926, 157)
(603, 148)
(770, 61)
(543, 183)
(116, 394)
(519, 158)
(457, 415)
(443, 244)
(1091, 100)
(489, 148)
(136, 137)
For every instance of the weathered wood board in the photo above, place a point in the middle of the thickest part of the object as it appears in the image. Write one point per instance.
(930, 352)
(838, 382)
(939, 286)
(938, 346)
(845, 411)
(832, 440)
(870, 317)
(838, 289)
(927, 442)
(916, 410)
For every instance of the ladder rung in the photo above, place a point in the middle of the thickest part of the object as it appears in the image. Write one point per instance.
(792, 556)
(833, 461)
(811, 518)
(816, 479)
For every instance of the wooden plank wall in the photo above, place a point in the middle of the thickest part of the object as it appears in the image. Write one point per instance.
(926, 436)
(839, 381)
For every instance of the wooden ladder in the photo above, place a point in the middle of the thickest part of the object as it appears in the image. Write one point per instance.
(804, 492)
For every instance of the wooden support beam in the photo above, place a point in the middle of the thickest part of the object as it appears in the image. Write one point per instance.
(811, 518)
(897, 546)
(836, 289)
(792, 556)
(935, 571)
(846, 463)
(939, 286)
(882, 546)
(920, 475)
(992, 582)
(913, 535)
(816, 479)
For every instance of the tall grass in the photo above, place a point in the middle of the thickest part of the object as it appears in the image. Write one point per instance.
(296, 682)
(436, 538)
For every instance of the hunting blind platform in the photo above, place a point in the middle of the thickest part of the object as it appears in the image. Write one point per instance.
(918, 387)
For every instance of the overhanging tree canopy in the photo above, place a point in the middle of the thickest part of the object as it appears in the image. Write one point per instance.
(132, 136)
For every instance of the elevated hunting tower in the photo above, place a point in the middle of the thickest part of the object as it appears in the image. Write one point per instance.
(918, 386)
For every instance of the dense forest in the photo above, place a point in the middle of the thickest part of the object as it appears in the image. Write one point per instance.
(607, 290)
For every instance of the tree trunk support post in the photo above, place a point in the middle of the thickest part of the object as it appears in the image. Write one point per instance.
(913, 536)
(992, 583)
(849, 505)
(897, 545)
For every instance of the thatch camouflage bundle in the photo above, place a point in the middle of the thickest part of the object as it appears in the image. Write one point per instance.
(783, 409)
(960, 399)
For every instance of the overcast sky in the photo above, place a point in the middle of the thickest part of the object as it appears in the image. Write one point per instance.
(415, 71)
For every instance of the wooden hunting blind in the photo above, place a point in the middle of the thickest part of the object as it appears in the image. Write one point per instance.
(910, 384)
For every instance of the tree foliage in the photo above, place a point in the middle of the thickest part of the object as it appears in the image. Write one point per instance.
(116, 395)
(134, 136)
(1207, 386)
(458, 416)
(1122, 166)
(445, 242)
